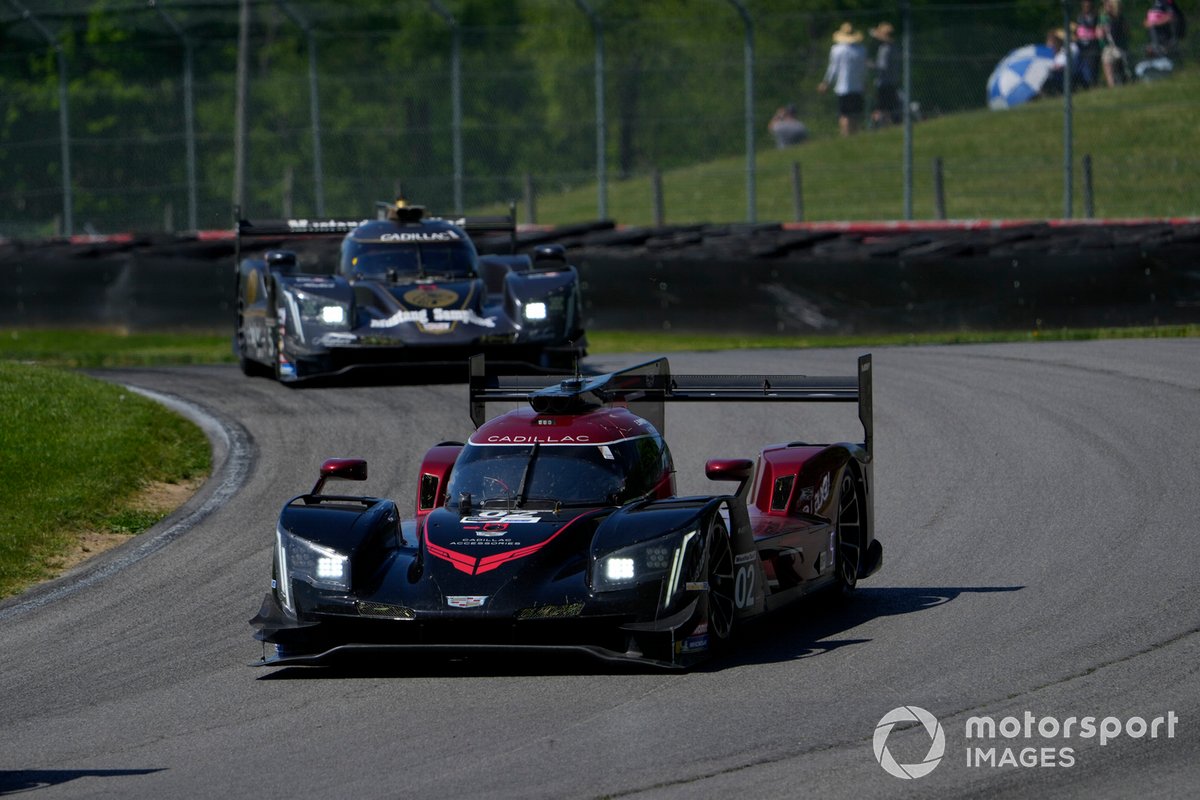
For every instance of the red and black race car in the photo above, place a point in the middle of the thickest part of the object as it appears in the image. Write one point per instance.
(557, 526)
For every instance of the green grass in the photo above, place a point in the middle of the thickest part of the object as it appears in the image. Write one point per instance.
(76, 451)
(90, 349)
(84, 348)
(997, 164)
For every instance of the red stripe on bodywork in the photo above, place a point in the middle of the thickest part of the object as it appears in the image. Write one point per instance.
(477, 566)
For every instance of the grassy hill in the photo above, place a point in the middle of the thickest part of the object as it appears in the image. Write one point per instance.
(997, 164)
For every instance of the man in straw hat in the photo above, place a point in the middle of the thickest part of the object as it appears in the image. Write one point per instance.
(887, 76)
(847, 73)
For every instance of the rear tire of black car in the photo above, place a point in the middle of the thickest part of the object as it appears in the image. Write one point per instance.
(722, 585)
(850, 526)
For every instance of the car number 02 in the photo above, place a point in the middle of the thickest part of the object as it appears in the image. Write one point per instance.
(743, 586)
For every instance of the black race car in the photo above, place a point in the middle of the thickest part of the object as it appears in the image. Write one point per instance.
(557, 526)
(407, 289)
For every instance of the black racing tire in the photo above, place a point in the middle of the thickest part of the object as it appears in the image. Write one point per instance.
(721, 574)
(848, 550)
(250, 368)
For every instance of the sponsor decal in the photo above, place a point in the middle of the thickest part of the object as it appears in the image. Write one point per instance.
(421, 236)
(551, 612)
(745, 558)
(582, 438)
(692, 644)
(466, 600)
(503, 517)
(401, 317)
(421, 316)
(822, 493)
(466, 315)
(477, 565)
(485, 542)
(430, 297)
(698, 586)
(324, 225)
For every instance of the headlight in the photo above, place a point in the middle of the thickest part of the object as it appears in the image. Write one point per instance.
(642, 562)
(535, 310)
(302, 560)
(320, 310)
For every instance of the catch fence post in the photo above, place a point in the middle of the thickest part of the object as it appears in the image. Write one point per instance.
(797, 193)
(939, 190)
(1089, 205)
(656, 190)
(530, 200)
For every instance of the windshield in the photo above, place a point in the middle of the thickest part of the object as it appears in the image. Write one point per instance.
(439, 259)
(545, 475)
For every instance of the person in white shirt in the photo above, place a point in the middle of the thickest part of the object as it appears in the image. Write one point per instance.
(847, 74)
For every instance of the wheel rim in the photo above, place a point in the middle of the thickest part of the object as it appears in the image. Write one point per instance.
(721, 581)
(849, 532)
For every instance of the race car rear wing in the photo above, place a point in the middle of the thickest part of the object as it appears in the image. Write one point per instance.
(305, 228)
(645, 388)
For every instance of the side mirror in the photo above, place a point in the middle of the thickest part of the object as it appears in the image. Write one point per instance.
(349, 469)
(283, 260)
(729, 469)
(549, 253)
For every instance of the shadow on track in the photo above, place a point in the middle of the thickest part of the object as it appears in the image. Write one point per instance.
(803, 631)
(13, 781)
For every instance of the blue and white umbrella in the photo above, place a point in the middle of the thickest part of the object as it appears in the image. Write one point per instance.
(1019, 76)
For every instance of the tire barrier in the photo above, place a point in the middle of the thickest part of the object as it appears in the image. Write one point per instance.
(748, 279)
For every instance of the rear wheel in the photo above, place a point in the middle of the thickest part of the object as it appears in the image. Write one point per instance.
(848, 555)
(722, 585)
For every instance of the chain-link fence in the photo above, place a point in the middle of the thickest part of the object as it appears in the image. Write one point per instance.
(122, 116)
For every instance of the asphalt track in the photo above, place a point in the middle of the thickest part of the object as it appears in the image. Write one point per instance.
(1037, 505)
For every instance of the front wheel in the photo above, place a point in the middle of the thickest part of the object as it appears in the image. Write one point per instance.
(722, 585)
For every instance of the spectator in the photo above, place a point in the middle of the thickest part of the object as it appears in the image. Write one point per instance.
(1115, 32)
(1054, 80)
(786, 127)
(887, 76)
(1088, 34)
(1161, 24)
(847, 73)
